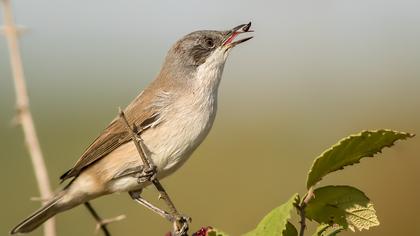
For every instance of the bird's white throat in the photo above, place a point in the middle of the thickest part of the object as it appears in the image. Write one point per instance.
(209, 74)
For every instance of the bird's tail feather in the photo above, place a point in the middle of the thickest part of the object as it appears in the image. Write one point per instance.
(40, 216)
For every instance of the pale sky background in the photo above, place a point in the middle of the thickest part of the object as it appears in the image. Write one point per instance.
(315, 72)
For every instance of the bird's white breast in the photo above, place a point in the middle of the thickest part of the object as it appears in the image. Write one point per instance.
(182, 125)
(187, 121)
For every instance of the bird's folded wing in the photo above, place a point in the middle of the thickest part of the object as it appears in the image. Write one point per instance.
(138, 113)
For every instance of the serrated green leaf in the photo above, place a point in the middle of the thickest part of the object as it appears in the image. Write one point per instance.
(350, 150)
(276, 222)
(342, 205)
(328, 230)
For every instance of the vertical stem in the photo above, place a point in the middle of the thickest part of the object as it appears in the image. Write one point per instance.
(301, 208)
(24, 115)
(302, 221)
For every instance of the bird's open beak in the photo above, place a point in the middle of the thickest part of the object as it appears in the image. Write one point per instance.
(232, 34)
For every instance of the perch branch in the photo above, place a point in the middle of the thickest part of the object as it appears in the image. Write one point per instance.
(180, 222)
(301, 209)
(24, 115)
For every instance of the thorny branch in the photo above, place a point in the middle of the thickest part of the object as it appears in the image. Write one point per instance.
(301, 209)
(180, 221)
(24, 116)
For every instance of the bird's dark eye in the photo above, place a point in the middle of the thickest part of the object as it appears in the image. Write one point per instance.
(209, 43)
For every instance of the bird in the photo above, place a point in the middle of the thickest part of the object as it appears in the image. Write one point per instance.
(175, 113)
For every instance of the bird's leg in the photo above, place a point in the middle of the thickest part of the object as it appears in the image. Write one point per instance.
(136, 196)
(180, 222)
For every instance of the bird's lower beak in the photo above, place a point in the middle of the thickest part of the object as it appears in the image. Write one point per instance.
(233, 33)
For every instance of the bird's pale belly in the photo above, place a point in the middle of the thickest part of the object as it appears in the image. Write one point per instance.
(169, 144)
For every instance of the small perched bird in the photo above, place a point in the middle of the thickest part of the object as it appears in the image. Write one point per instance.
(174, 113)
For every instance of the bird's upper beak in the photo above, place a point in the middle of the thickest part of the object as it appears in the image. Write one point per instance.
(233, 33)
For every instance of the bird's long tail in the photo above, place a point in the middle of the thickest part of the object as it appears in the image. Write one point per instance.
(40, 216)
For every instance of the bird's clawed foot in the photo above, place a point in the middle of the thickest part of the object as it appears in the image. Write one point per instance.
(148, 174)
(181, 226)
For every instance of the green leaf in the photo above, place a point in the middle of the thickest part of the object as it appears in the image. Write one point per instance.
(321, 229)
(342, 205)
(350, 150)
(328, 230)
(276, 222)
(290, 230)
(215, 232)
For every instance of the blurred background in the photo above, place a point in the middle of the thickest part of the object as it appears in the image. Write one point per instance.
(315, 72)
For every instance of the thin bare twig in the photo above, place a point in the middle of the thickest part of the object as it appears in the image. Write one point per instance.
(98, 219)
(149, 164)
(102, 223)
(301, 208)
(24, 115)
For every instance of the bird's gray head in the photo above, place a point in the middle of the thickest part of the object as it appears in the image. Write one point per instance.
(202, 50)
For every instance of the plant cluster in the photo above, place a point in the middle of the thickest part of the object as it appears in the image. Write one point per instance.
(335, 208)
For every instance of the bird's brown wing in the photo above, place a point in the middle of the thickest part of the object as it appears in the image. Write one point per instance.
(138, 113)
